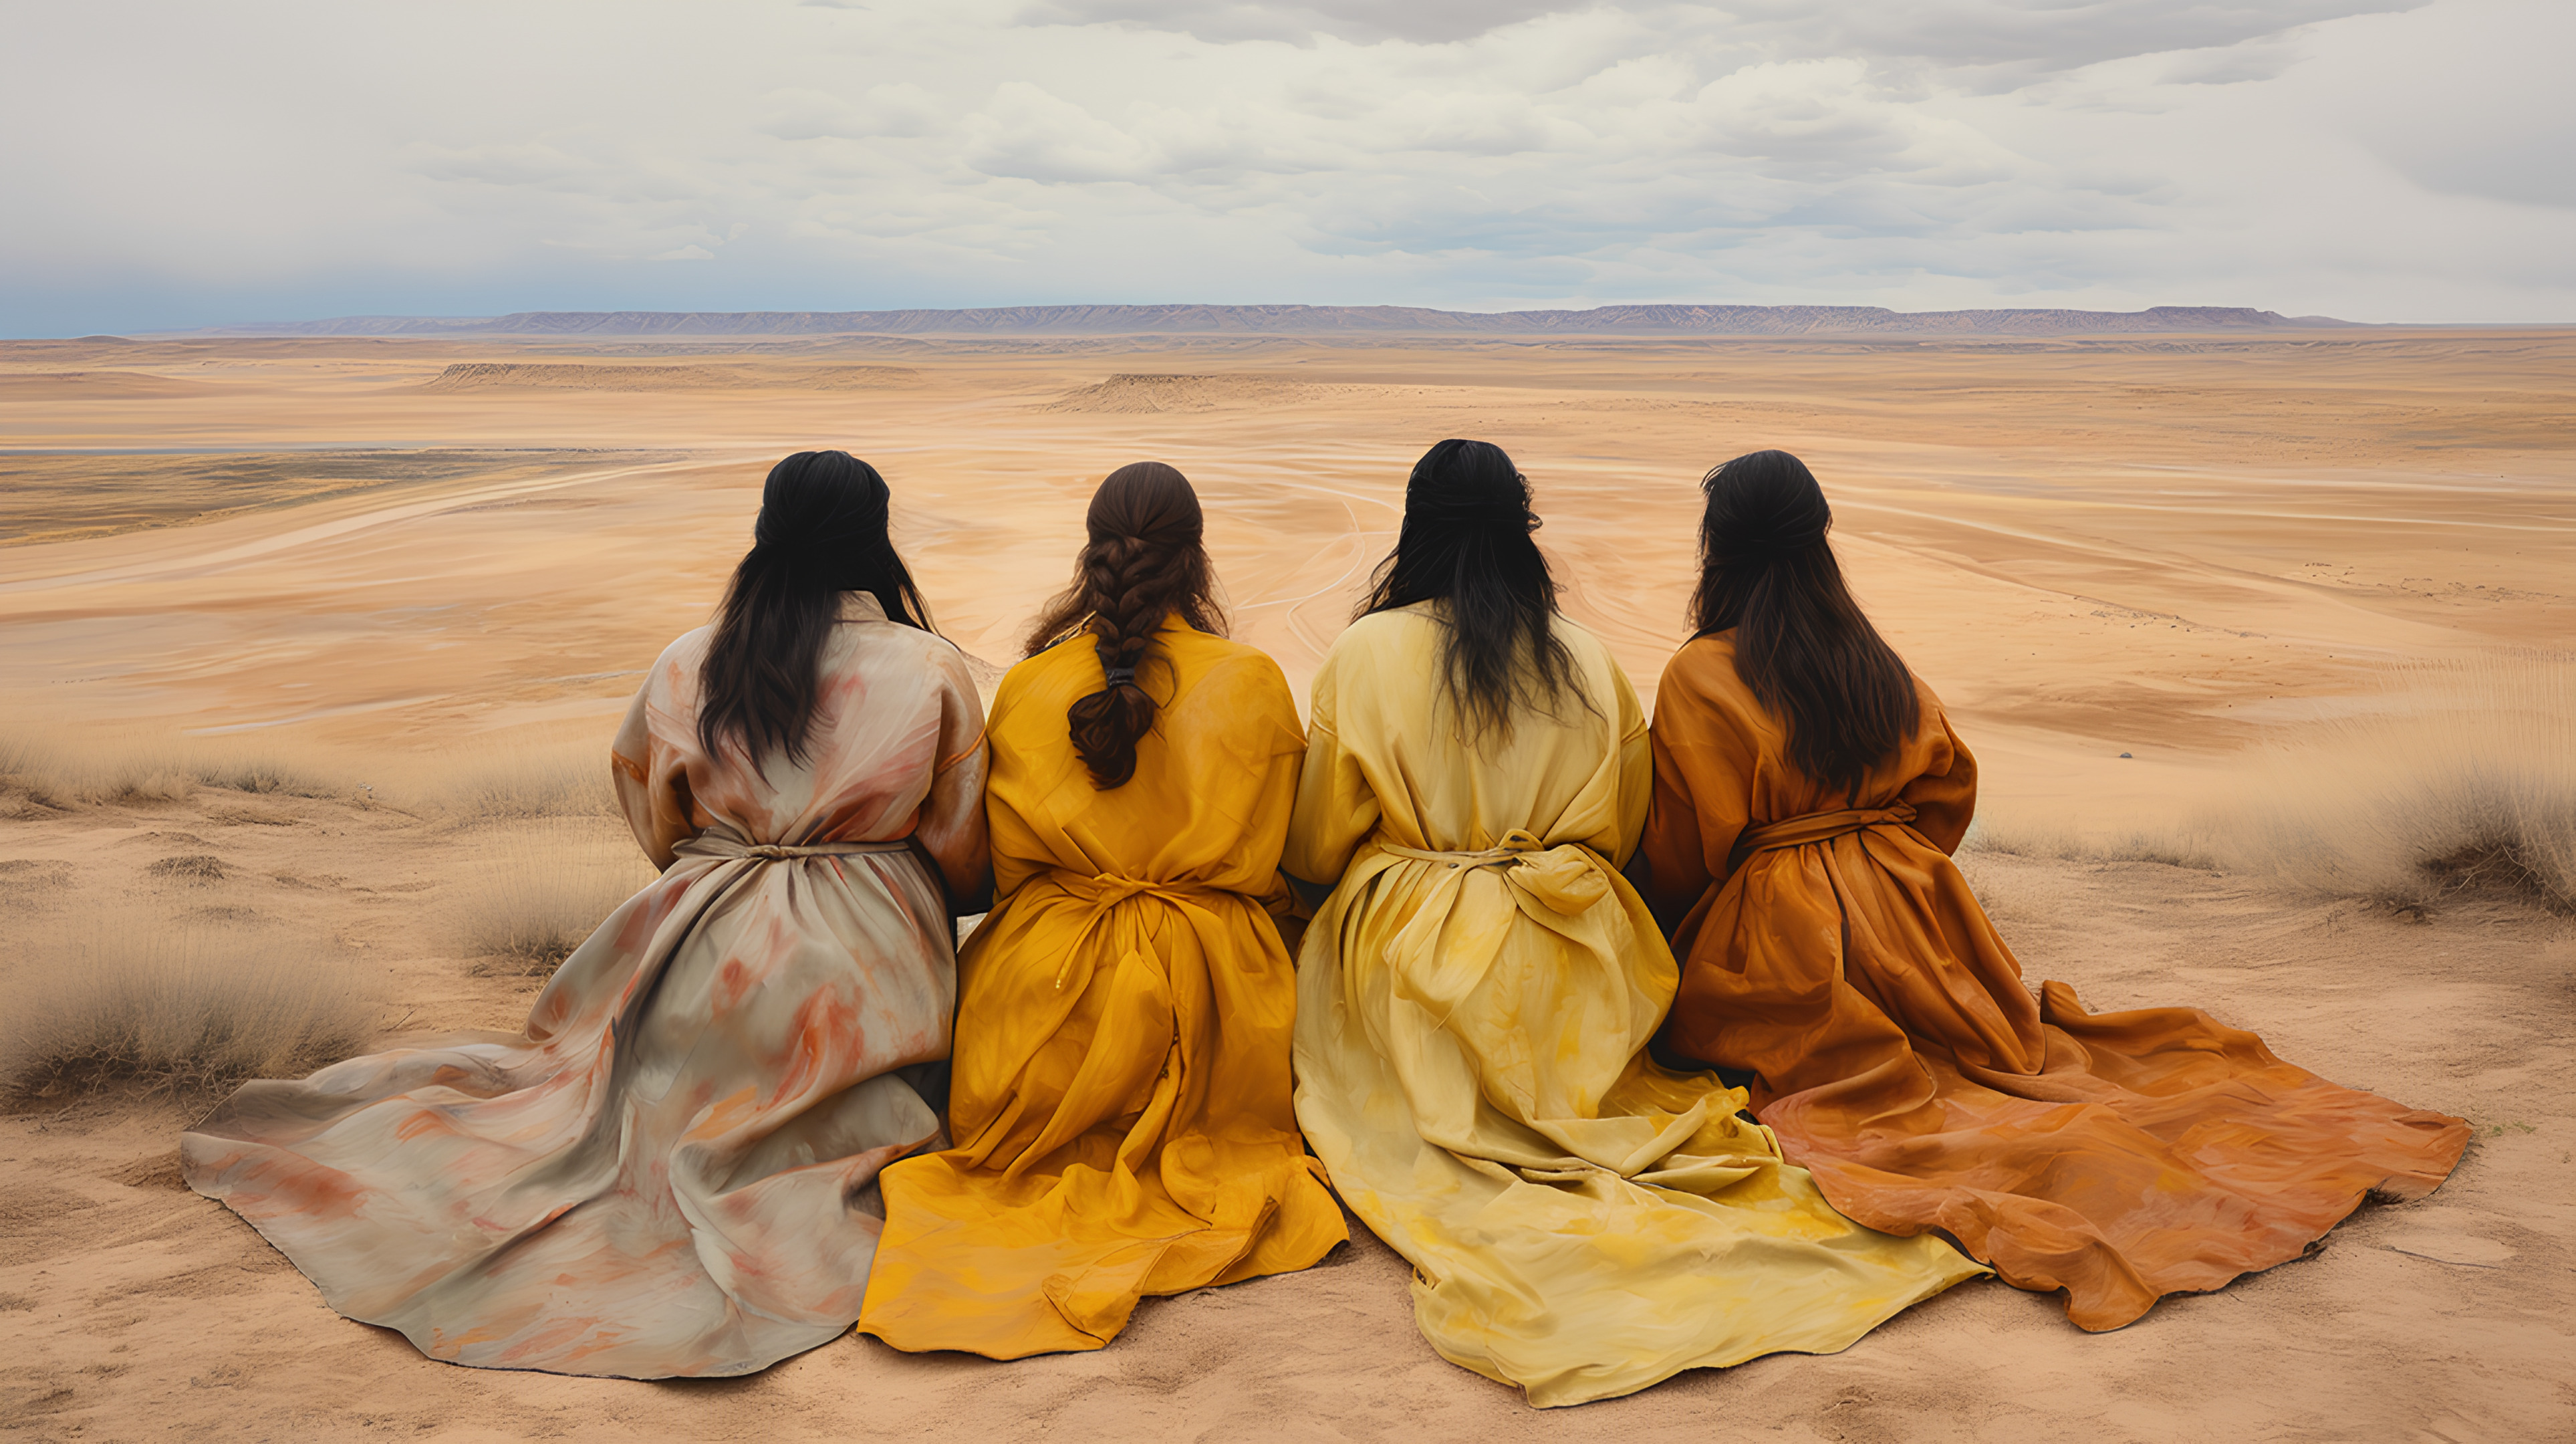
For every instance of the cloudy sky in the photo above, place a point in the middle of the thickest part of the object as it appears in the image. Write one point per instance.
(188, 163)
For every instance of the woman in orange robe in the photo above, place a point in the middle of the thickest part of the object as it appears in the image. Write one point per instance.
(1120, 1101)
(1808, 793)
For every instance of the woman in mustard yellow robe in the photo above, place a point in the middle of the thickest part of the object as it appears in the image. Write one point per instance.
(1120, 1100)
(1809, 792)
(1476, 997)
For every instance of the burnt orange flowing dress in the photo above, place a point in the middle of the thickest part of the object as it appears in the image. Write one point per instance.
(1833, 951)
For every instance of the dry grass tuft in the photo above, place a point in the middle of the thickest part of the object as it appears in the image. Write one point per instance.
(515, 782)
(21, 876)
(134, 1003)
(47, 773)
(193, 867)
(537, 890)
(44, 774)
(2464, 780)
(2459, 778)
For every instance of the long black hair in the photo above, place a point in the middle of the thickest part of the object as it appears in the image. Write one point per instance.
(1466, 543)
(1145, 559)
(822, 532)
(1802, 644)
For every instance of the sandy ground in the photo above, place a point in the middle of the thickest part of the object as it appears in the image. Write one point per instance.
(342, 553)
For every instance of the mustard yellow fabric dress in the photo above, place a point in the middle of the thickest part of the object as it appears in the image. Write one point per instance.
(1474, 1002)
(1120, 1101)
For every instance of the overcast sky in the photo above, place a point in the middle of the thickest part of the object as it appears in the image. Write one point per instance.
(191, 163)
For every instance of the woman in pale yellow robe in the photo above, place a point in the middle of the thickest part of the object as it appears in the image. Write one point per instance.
(1475, 998)
(668, 1171)
(1120, 1100)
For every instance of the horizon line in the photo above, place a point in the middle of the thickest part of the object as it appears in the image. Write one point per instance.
(1666, 318)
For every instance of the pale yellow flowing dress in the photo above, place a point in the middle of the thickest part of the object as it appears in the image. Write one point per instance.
(1474, 1002)
(1120, 1101)
(668, 1171)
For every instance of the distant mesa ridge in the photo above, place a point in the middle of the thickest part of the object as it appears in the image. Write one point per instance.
(546, 376)
(1638, 320)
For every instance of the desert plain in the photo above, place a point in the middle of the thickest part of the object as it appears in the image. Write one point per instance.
(376, 604)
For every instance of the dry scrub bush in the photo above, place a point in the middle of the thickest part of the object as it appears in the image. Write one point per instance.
(535, 890)
(133, 1002)
(515, 781)
(49, 770)
(2460, 777)
(2174, 846)
(2464, 780)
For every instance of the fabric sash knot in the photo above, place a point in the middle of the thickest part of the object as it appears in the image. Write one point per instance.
(1108, 890)
(1817, 827)
(1567, 878)
(726, 845)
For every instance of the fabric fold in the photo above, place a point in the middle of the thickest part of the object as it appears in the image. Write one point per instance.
(1475, 998)
(1120, 1101)
(659, 1175)
(1837, 955)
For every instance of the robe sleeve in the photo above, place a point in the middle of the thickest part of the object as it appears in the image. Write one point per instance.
(1636, 769)
(1944, 794)
(651, 776)
(952, 827)
(1336, 808)
(1289, 909)
(1281, 770)
(1703, 791)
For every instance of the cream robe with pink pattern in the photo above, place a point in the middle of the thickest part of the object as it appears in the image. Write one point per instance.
(670, 1172)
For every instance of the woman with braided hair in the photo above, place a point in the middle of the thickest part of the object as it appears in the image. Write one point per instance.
(1808, 794)
(1476, 997)
(1120, 1095)
(671, 1170)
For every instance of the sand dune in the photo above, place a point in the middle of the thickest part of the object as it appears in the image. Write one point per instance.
(562, 376)
(128, 1304)
(1134, 395)
(91, 385)
(2133, 566)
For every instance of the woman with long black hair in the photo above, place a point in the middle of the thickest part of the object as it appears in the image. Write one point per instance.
(671, 1170)
(1808, 794)
(1476, 996)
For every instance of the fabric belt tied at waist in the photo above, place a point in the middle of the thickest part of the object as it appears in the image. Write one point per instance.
(1568, 878)
(1818, 827)
(728, 848)
(1107, 891)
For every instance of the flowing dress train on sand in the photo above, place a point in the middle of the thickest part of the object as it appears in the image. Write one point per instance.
(1474, 1005)
(1833, 950)
(668, 1172)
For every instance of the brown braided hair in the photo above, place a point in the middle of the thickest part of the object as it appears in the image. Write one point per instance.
(1145, 560)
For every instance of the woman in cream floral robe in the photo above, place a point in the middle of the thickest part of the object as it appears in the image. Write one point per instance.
(669, 1171)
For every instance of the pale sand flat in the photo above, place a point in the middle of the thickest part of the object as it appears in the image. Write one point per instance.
(2157, 545)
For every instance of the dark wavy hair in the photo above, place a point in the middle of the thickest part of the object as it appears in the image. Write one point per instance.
(1802, 644)
(821, 532)
(1466, 543)
(1146, 559)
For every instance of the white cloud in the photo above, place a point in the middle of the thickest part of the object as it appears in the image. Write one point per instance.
(273, 159)
(1227, 21)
